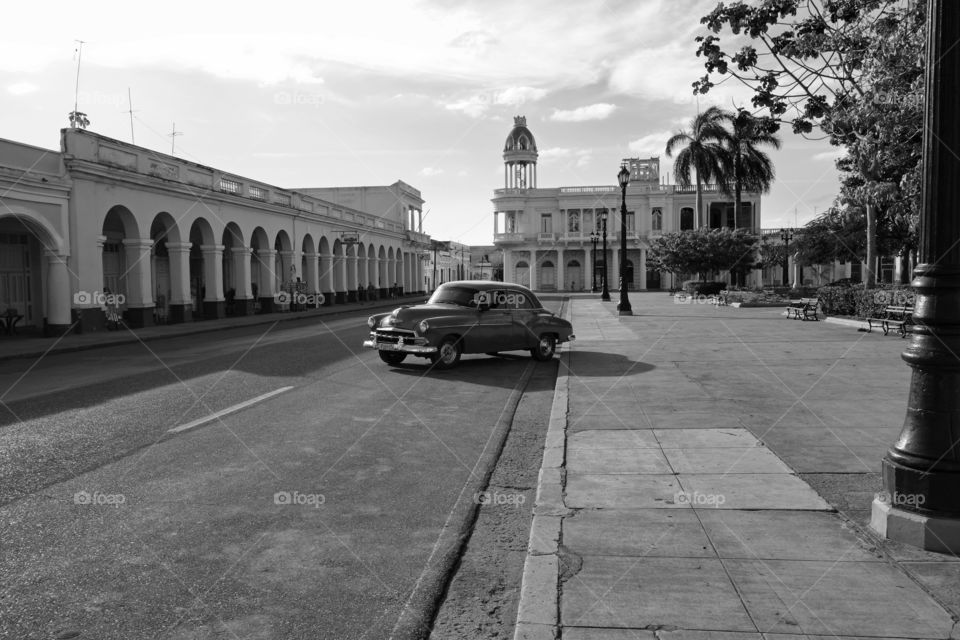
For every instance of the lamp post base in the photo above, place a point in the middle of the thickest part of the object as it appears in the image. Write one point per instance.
(624, 310)
(933, 533)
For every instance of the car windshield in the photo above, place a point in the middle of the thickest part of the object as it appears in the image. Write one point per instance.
(463, 296)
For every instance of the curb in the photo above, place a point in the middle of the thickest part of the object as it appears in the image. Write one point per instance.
(538, 613)
(416, 616)
(196, 327)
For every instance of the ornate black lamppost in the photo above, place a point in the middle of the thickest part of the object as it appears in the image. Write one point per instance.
(624, 179)
(786, 235)
(920, 504)
(605, 293)
(594, 238)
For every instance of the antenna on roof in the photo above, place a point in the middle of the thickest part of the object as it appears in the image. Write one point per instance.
(173, 138)
(130, 111)
(78, 119)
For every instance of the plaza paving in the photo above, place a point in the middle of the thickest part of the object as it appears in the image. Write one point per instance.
(708, 474)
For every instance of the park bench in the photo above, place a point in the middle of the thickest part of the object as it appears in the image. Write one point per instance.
(803, 309)
(9, 321)
(899, 317)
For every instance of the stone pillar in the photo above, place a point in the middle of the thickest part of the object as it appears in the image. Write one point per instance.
(87, 311)
(643, 269)
(139, 301)
(350, 267)
(326, 279)
(58, 320)
(312, 275)
(561, 270)
(588, 269)
(534, 271)
(181, 306)
(243, 301)
(267, 261)
(214, 305)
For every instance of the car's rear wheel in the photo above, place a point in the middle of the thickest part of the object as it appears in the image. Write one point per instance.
(392, 358)
(546, 347)
(448, 353)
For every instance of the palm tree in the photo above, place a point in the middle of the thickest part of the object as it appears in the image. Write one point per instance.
(746, 166)
(702, 152)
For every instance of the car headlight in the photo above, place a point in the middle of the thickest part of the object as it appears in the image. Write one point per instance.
(424, 325)
(387, 322)
(371, 322)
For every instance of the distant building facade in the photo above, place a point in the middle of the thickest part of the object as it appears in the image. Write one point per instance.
(104, 227)
(545, 233)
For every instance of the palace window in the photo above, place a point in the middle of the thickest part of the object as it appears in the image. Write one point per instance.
(686, 219)
(656, 219)
(546, 223)
(573, 221)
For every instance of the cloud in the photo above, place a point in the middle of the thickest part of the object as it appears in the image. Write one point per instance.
(478, 104)
(834, 154)
(514, 96)
(430, 172)
(651, 145)
(555, 153)
(21, 88)
(597, 111)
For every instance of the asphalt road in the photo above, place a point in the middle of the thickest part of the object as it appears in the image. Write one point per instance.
(310, 513)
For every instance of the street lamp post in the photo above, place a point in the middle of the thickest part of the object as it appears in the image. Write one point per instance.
(920, 503)
(605, 293)
(594, 238)
(786, 235)
(624, 178)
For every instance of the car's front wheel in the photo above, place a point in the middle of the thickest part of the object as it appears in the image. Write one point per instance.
(392, 358)
(448, 353)
(546, 347)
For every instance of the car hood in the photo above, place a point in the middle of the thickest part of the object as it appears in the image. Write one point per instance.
(409, 316)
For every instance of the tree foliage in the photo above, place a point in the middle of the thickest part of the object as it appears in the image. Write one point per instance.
(704, 252)
(700, 152)
(852, 68)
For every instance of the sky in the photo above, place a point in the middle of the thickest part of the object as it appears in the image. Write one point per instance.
(322, 94)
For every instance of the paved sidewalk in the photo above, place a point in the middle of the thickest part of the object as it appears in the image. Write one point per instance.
(30, 343)
(708, 474)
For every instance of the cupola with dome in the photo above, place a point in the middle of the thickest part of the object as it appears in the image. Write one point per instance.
(520, 157)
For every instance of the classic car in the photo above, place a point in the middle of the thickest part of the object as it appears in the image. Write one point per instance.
(469, 316)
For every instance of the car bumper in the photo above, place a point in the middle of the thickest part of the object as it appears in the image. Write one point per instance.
(399, 347)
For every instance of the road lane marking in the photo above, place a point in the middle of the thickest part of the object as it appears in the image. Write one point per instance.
(224, 412)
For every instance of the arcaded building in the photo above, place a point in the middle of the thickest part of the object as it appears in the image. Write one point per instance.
(545, 233)
(104, 227)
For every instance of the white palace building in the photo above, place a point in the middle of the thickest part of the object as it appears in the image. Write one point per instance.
(103, 224)
(545, 233)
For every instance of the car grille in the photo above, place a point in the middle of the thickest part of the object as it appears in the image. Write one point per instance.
(393, 336)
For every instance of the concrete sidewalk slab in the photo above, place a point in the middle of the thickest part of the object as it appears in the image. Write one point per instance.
(731, 543)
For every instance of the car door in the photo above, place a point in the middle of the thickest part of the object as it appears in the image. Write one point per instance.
(523, 314)
(495, 325)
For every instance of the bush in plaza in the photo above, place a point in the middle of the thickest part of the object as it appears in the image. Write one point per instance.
(839, 301)
(855, 301)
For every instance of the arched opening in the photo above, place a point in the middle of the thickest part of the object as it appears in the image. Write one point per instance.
(325, 275)
(522, 273)
(34, 279)
(574, 275)
(261, 271)
(163, 230)
(548, 276)
(119, 225)
(205, 283)
(236, 272)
